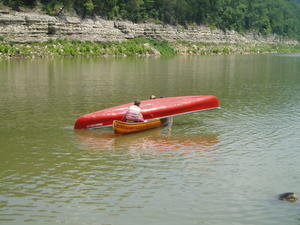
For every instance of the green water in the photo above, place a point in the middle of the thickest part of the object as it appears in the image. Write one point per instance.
(216, 167)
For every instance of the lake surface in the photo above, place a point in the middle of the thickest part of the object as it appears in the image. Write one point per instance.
(216, 167)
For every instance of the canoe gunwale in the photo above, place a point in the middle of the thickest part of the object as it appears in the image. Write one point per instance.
(94, 126)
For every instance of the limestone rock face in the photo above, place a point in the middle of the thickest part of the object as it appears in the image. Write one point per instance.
(33, 27)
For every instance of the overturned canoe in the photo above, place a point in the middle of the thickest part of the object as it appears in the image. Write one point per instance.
(151, 109)
(121, 127)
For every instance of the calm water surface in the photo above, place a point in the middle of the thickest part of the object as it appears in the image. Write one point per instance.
(221, 167)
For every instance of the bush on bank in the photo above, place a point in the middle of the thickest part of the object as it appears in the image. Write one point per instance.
(133, 47)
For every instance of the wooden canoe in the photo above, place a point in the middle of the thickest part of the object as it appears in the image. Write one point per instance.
(121, 127)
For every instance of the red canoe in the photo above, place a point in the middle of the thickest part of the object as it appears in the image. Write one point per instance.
(151, 109)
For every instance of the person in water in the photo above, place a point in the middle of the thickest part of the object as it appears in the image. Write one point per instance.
(134, 113)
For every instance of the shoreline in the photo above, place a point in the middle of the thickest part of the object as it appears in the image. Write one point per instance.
(140, 47)
(33, 34)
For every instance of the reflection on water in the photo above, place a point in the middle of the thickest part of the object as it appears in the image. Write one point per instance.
(153, 141)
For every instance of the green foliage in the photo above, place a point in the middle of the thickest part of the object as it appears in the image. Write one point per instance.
(54, 7)
(7, 49)
(89, 5)
(134, 47)
(14, 4)
(163, 47)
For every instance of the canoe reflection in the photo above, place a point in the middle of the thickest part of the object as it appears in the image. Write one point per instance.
(151, 141)
(95, 140)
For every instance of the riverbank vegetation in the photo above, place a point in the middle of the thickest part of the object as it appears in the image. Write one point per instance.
(266, 17)
(134, 47)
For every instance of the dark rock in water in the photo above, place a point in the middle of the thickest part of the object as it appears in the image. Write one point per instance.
(288, 196)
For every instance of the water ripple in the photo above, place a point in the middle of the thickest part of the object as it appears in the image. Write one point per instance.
(217, 167)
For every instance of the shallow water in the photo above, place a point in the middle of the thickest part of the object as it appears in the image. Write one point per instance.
(217, 167)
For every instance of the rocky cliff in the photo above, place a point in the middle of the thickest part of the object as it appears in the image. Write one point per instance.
(33, 27)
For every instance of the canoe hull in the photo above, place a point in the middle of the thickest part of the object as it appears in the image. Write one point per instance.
(151, 109)
(128, 128)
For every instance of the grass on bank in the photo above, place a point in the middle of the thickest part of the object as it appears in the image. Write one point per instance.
(133, 47)
(234, 48)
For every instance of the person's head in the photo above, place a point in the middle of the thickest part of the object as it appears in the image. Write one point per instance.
(137, 103)
(152, 97)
